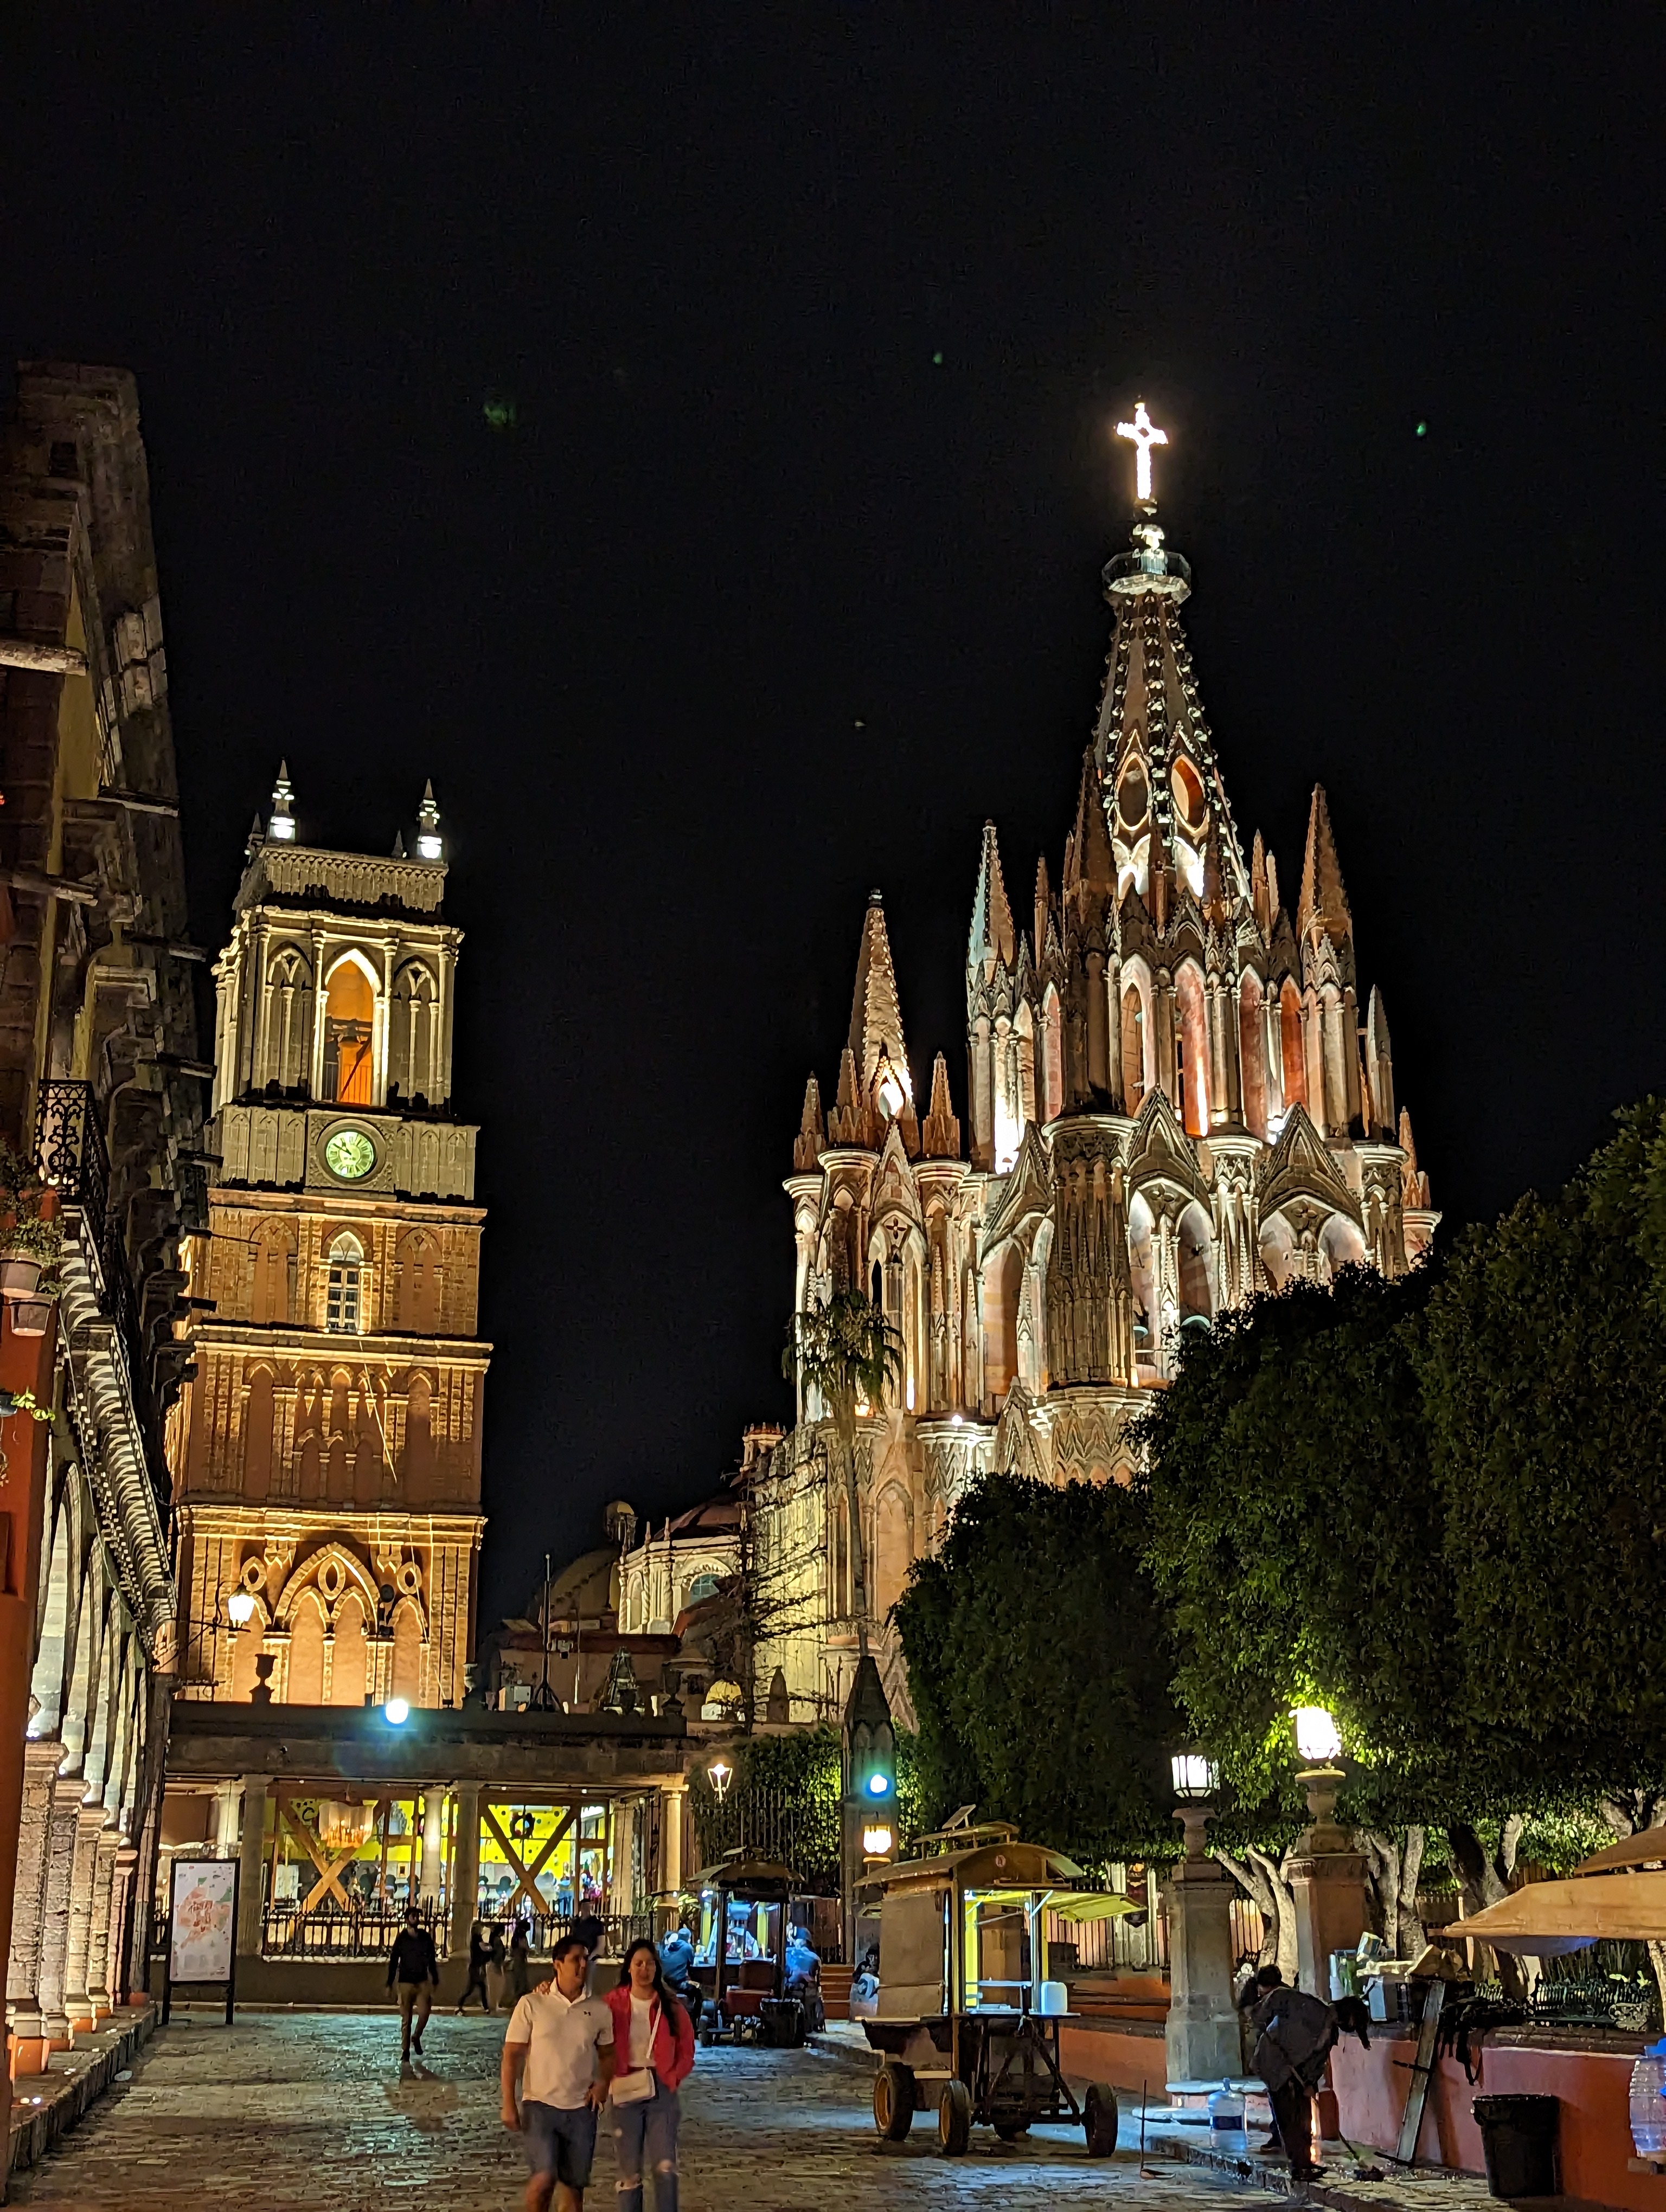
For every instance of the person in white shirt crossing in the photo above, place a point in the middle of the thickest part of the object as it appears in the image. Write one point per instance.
(558, 2055)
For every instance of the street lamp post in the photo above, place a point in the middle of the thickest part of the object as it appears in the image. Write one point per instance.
(1202, 2043)
(1327, 1875)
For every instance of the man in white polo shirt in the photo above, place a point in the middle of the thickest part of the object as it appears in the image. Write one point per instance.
(558, 2052)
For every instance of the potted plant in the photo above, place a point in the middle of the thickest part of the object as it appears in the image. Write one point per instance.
(30, 1242)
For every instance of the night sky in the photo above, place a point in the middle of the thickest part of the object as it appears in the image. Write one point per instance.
(786, 572)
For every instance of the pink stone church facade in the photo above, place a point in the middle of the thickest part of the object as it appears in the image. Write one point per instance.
(1179, 1093)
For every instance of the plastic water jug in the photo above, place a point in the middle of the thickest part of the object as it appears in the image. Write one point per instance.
(1225, 2112)
(1055, 1998)
(1649, 2101)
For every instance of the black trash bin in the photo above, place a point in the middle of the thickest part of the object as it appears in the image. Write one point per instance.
(1519, 2136)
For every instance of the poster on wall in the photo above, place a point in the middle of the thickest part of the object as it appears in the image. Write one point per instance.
(202, 1925)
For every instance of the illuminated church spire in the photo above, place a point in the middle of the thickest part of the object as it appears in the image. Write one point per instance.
(281, 826)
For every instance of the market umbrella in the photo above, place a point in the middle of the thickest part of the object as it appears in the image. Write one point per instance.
(1647, 1848)
(1547, 1917)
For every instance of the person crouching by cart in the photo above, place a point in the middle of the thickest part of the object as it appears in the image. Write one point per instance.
(653, 2037)
(1296, 2033)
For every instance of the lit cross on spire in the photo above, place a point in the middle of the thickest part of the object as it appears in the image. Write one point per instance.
(1145, 435)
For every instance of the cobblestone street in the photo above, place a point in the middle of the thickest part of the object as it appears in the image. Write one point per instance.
(308, 2108)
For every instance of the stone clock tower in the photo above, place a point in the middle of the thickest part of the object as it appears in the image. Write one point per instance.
(325, 1451)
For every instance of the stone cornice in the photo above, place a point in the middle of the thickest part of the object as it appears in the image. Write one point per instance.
(470, 1351)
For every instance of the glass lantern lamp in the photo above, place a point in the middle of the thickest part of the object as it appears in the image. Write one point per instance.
(1196, 1777)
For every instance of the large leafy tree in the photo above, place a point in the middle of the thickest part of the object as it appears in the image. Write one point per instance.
(1543, 1373)
(1290, 1506)
(849, 1355)
(1039, 1667)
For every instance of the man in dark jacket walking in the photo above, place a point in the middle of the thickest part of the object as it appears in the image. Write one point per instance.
(413, 1965)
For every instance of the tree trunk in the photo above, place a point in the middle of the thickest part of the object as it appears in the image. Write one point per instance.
(845, 1423)
(1485, 1878)
(1267, 1889)
(1394, 1869)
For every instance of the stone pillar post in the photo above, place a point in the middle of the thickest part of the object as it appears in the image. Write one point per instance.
(28, 1910)
(1327, 1877)
(1203, 2044)
(98, 1933)
(434, 1815)
(55, 1917)
(677, 1798)
(464, 1868)
(84, 1872)
(225, 1804)
(251, 1865)
(623, 1896)
(121, 1893)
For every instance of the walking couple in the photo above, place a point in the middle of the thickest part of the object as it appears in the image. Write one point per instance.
(568, 2054)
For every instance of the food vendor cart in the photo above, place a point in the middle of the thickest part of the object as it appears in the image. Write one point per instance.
(744, 1998)
(967, 2023)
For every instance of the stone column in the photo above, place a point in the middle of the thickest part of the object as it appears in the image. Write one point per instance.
(433, 1812)
(121, 1904)
(225, 1820)
(28, 1909)
(110, 1841)
(251, 1865)
(1327, 1877)
(1203, 2044)
(677, 1796)
(55, 1916)
(465, 1868)
(84, 1872)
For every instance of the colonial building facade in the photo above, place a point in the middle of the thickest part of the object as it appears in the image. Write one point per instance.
(101, 1109)
(327, 1449)
(1179, 1094)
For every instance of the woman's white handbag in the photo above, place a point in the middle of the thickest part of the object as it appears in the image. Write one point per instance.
(633, 2088)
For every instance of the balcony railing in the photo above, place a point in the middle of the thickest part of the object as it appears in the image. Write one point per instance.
(71, 1157)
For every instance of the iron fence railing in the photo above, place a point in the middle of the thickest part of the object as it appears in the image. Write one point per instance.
(287, 1932)
(546, 1929)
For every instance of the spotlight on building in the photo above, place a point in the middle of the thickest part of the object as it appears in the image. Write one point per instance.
(396, 1712)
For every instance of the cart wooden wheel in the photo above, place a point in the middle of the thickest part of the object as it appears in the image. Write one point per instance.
(1099, 2119)
(954, 2119)
(893, 2099)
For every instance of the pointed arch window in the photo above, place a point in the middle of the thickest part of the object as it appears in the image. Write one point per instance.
(344, 1294)
(348, 1033)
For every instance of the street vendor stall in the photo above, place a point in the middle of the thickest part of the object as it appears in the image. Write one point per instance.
(968, 2019)
(740, 1967)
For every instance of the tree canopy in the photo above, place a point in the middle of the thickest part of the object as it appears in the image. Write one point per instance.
(1039, 1667)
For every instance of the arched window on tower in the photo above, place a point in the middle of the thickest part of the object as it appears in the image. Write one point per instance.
(343, 1310)
(349, 1036)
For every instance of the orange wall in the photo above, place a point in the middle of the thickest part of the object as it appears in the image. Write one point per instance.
(1593, 2086)
(1121, 2055)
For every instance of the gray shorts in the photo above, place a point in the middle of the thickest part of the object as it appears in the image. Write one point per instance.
(560, 2142)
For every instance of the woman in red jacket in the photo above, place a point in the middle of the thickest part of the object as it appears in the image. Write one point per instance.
(654, 2052)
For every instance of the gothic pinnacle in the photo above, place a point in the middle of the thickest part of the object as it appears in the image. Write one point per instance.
(992, 941)
(1322, 898)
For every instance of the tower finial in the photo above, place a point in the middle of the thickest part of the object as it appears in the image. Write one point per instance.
(430, 845)
(281, 826)
(1144, 434)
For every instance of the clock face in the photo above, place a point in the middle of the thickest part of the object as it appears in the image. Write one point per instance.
(350, 1154)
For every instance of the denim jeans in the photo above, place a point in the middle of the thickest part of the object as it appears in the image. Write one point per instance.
(645, 2137)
